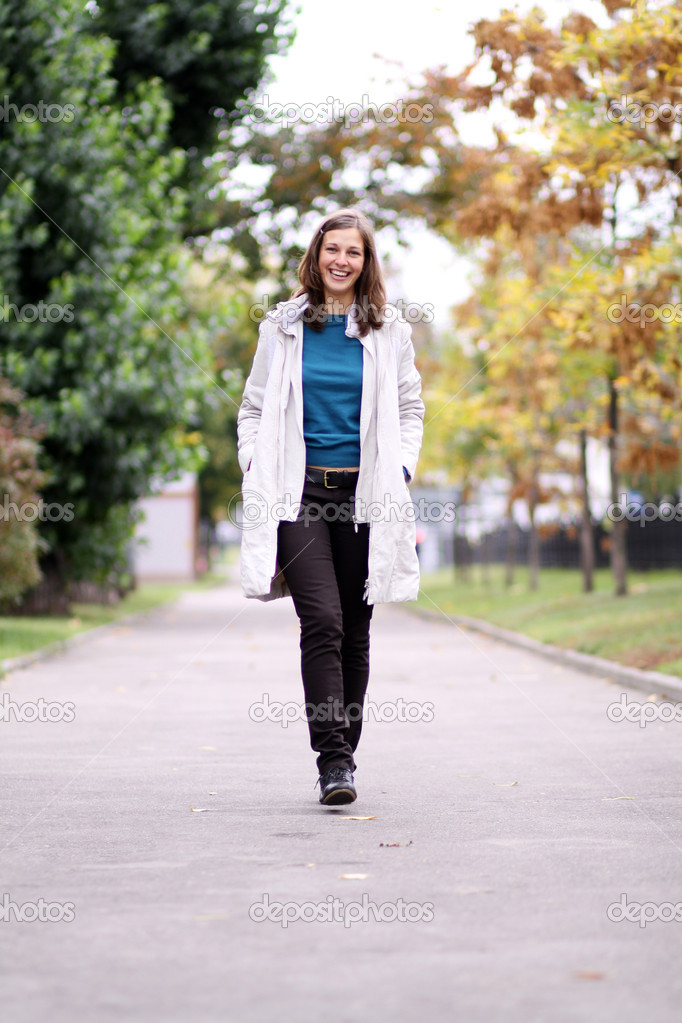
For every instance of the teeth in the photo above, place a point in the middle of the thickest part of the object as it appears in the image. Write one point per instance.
(339, 273)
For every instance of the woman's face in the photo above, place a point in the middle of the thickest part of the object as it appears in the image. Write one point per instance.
(341, 259)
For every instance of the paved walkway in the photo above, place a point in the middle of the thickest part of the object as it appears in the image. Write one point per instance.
(504, 824)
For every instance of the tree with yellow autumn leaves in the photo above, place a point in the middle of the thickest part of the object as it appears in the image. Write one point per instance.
(571, 219)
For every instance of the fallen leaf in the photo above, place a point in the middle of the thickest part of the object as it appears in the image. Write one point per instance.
(203, 809)
(347, 817)
(353, 877)
(501, 784)
(213, 793)
(609, 799)
(473, 891)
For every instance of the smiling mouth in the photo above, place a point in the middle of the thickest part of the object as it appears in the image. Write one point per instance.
(340, 275)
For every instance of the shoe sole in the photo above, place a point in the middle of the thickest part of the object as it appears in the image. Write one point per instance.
(337, 797)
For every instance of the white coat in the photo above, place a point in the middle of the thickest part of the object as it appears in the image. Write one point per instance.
(272, 453)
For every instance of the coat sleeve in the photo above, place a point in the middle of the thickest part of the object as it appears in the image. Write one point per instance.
(411, 406)
(248, 417)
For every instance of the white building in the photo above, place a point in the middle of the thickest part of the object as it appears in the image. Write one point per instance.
(165, 546)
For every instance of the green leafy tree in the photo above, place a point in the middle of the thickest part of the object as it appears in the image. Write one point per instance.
(94, 328)
(95, 200)
(208, 56)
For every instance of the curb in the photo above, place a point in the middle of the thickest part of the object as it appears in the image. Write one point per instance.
(24, 660)
(60, 645)
(610, 671)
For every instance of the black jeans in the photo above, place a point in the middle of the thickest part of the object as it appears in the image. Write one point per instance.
(324, 561)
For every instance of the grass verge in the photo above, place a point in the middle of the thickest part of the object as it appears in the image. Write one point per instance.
(641, 629)
(24, 635)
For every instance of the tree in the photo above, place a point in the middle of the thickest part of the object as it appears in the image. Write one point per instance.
(208, 57)
(20, 481)
(95, 331)
(98, 329)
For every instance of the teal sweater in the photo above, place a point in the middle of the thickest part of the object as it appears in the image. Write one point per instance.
(332, 392)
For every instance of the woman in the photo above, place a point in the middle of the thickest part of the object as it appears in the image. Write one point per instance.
(329, 431)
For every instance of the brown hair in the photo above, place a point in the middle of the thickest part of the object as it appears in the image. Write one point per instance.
(370, 290)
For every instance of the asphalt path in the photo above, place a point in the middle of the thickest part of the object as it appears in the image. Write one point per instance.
(514, 853)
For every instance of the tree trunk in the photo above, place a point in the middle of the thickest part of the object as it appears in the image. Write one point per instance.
(485, 559)
(586, 530)
(510, 555)
(460, 547)
(618, 534)
(534, 542)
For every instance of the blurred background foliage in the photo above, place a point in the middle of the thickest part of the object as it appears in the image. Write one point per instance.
(118, 368)
(160, 211)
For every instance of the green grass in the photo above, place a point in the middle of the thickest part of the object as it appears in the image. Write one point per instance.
(24, 635)
(642, 629)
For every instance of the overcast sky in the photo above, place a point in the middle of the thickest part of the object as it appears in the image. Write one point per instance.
(338, 52)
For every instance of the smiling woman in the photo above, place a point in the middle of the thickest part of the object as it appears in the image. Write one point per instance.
(329, 431)
(341, 269)
(341, 261)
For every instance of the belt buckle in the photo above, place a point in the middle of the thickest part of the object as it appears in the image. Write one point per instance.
(330, 486)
